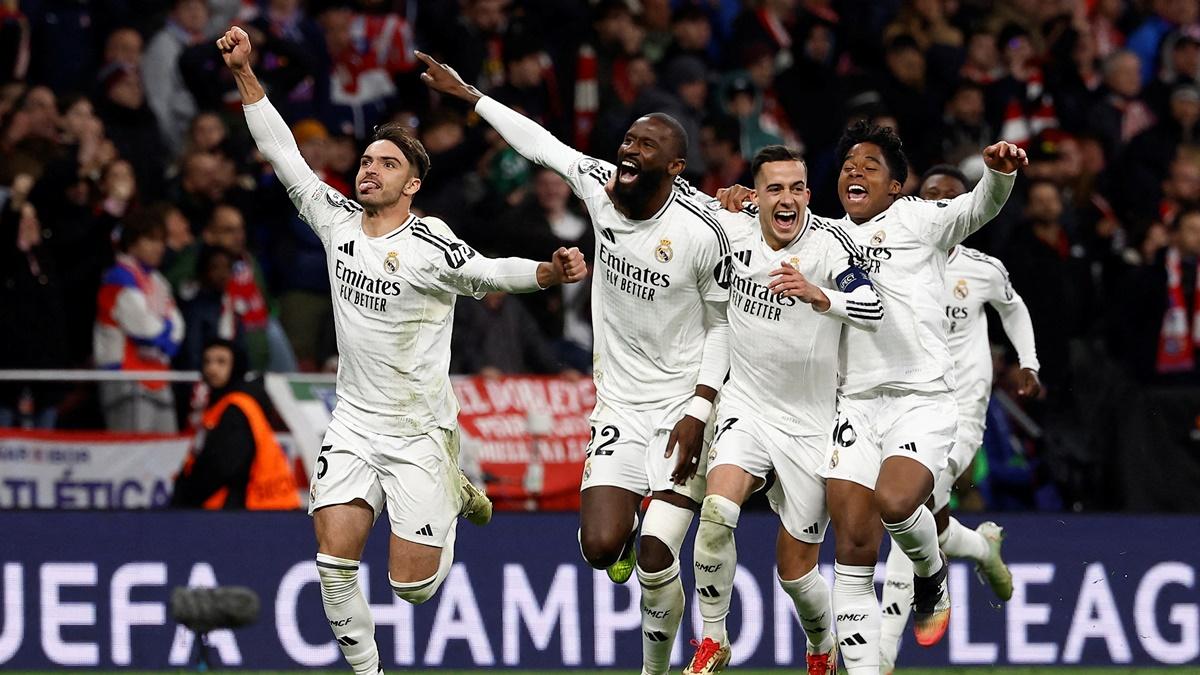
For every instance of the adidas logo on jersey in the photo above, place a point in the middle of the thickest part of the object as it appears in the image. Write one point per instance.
(910, 447)
(347, 248)
(426, 531)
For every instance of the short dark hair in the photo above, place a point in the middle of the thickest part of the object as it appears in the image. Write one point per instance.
(884, 137)
(774, 153)
(945, 170)
(142, 224)
(677, 132)
(409, 146)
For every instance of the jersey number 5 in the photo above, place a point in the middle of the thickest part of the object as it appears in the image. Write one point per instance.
(322, 463)
(608, 435)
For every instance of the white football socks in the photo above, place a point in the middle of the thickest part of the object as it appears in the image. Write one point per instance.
(715, 559)
(662, 610)
(348, 613)
(958, 541)
(917, 536)
(897, 605)
(857, 619)
(810, 594)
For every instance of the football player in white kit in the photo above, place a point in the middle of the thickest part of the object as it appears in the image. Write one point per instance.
(897, 417)
(660, 354)
(972, 280)
(393, 440)
(793, 288)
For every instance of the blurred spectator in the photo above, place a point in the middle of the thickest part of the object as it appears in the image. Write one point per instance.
(607, 76)
(687, 83)
(1120, 114)
(770, 24)
(907, 94)
(982, 63)
(138, 327)
(1147, 38)
(1157, 330)
(548, 218)
(965, 131)
(366, 52)
(1146, 161)
(205, 306)
(1104, 25)
(1181, 187)
(476, 42)
(1046, 271)
(246, 289)
(166, 93)
(1181, 66)
(31, 302)
(530, 85)
(236, 463)
(179, 233)
(1019, 105)
(206, 179)
(691, 35)
(497, 336)
(131, 126)
(720, 143)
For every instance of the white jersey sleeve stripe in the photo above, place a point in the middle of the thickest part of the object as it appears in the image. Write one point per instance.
(722, 240)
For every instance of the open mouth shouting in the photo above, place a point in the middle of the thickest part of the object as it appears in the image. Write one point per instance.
(785, 220)
(628, 171)
(856, 193)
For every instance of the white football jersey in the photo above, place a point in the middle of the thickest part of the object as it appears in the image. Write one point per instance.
(904, 251)
(656, 303)
(974, 279)
(393, 296)
(783, 360)
(651, 279)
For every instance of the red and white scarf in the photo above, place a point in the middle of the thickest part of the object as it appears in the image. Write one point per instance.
(1178, 342)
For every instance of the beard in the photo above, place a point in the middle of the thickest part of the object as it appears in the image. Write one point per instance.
(634, 196)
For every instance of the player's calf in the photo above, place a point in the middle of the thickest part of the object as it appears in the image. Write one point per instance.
(715, 561)
(348, 614)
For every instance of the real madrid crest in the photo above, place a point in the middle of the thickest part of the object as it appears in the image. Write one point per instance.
(878, 237)
(391, 263)
(664, 252)
(794, 262)
(960, 289)
(833, 460)
(587, 470)
(712, 456)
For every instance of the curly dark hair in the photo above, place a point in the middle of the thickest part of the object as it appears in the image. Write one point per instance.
(884, 137)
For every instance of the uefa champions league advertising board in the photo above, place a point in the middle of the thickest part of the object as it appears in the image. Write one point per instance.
(86, 589)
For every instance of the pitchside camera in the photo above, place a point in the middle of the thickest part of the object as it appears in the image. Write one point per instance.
(208, 609)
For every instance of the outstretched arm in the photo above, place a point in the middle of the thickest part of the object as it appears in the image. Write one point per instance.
(948, 223)
(524, 135)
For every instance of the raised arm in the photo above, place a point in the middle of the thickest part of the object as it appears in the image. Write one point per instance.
(525, 136)
(947, 223)
(271, 134)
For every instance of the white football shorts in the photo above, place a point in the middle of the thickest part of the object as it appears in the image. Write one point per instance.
(415, 477)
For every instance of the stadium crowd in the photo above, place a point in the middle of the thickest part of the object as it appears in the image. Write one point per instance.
(138, 224)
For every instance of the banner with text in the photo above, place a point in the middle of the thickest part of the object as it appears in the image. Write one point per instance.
(91, 590)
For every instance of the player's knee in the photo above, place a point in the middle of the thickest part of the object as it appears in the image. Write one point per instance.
(416, 592)
(896, 506)
(601, 548)
(654, 555)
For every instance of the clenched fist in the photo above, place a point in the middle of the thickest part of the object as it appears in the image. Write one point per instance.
(235, 48)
